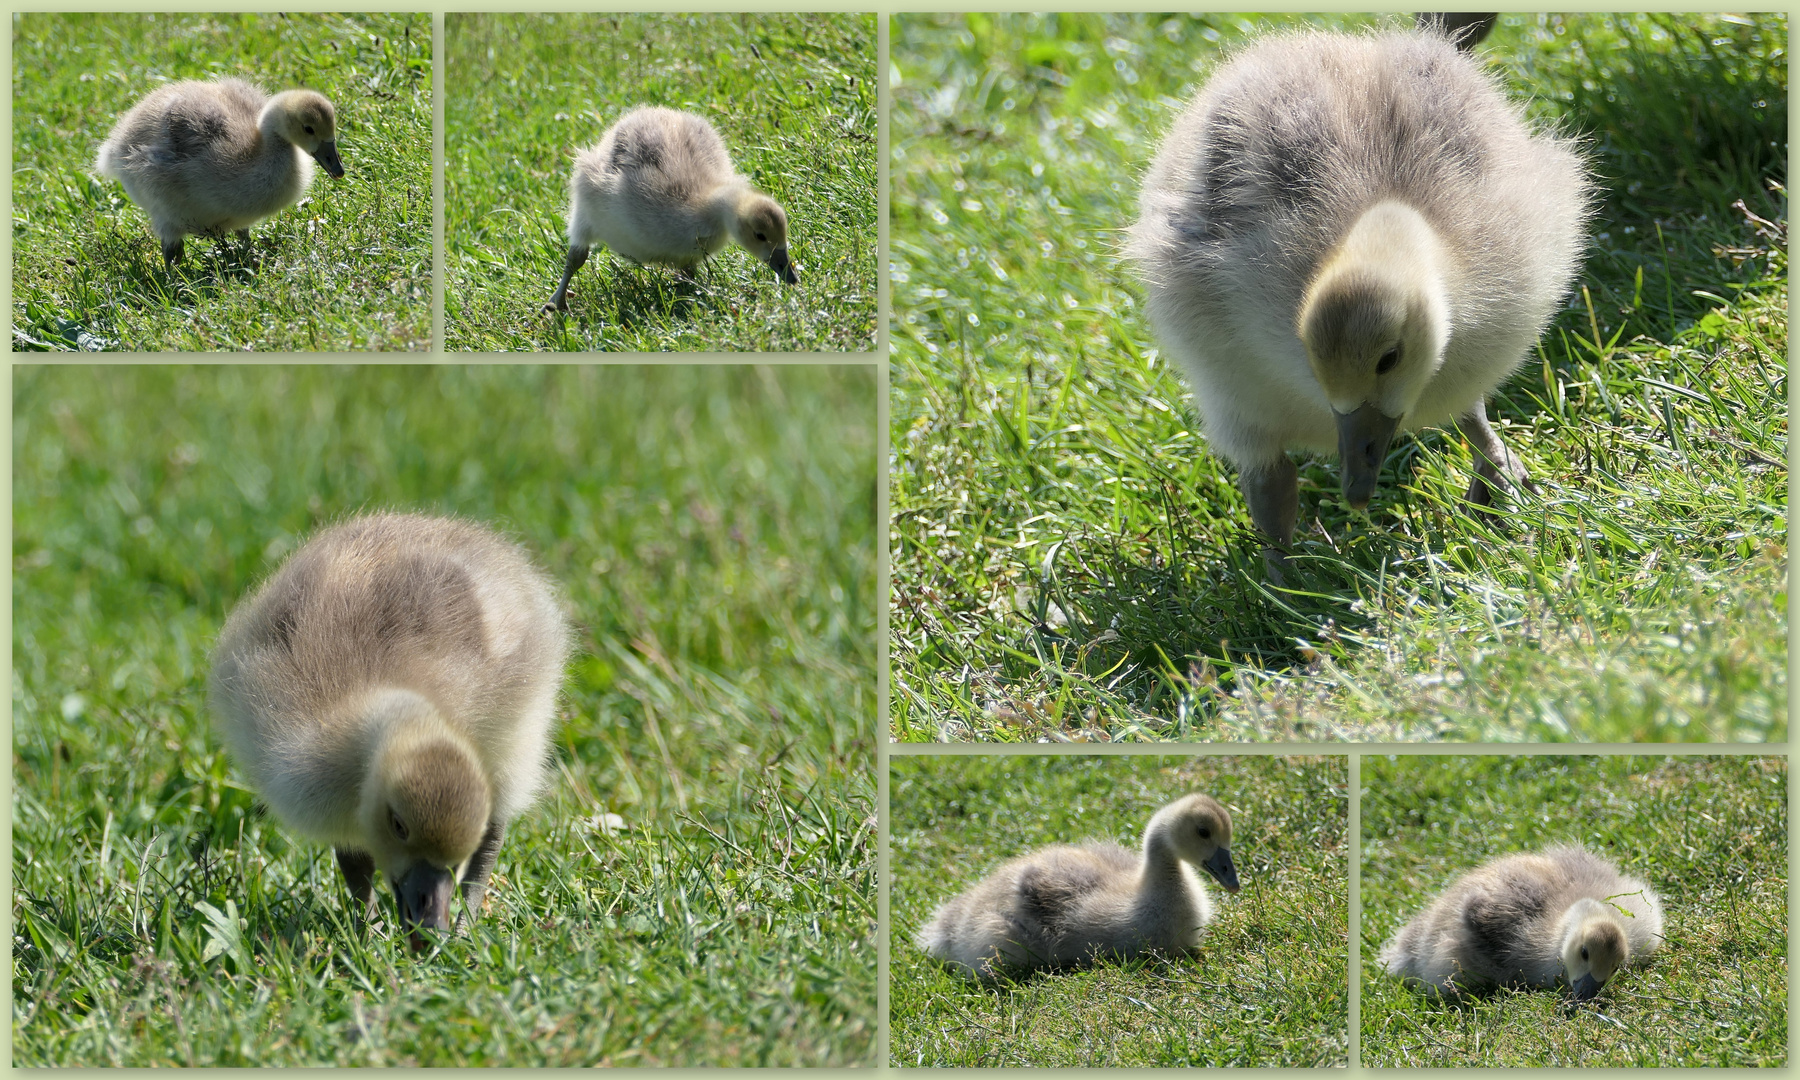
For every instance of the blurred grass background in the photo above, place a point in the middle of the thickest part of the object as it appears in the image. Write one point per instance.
(1269, 986)
(1708, 833)
(793, 95)
(1071, 561)
(346, 268)
(712, 530)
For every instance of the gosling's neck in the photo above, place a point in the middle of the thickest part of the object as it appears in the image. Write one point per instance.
(398, 723)
(1392, 251)
(727, 204)
(268, 125)
(1162, 863)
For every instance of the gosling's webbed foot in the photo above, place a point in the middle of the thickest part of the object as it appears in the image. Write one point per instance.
(1275, 563)
(559, 300)
(1496, 467)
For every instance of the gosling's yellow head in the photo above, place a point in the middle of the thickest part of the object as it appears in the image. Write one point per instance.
(1375, 321)
(1594, 948)
(425, 809)
(1200, 830)
(306, 119)
(762, 229)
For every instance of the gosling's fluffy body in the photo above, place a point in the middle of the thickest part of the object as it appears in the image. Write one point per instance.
(209, 158)
(1325, 199)
(390, 691)
(1068, 904)
(1530, 921)
(659, 187)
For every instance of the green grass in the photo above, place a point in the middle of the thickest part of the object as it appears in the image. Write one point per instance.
(1072, 561)
(1708, 833)
(1269, 985)
(713, 532)
(347, 268)
(793, 95)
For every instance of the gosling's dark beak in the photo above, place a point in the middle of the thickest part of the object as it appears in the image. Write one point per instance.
(424, 895)
(326, 155)
(1585, 988)
(783, 266)
(1363, 438)
(1219, 866)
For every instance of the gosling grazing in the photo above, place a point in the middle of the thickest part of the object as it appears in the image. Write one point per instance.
(1348, 235)
(390, 692)
(1066, 905)
(213, 157)
(660, 188)
(1527, 920)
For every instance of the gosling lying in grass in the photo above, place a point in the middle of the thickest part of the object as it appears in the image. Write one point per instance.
(1065, 904)
(1530, 921)
(213, 157)
(390, 692)
(1349, 235)
(660, 188)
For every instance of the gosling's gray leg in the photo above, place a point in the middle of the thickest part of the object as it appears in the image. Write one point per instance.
(559, 301)
(171, 251)
(359, 874)
(1495, 465)
(1273, 492)
(475, 878)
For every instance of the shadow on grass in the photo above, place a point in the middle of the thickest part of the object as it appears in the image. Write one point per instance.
(121, 269)
(1011, 981)
(1700, 124)
(630, 295)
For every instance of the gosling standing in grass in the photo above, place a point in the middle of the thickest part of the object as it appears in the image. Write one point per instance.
(1066, 905)
(1347, 235)
(660, 188)
(390, 692)
(214, 157)
(1528, 920)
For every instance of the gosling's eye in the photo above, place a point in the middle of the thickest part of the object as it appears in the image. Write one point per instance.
(1205, 833)
(1584, 953)
(760, 236)
(399, 826)
(1388, 360)
(309, 129)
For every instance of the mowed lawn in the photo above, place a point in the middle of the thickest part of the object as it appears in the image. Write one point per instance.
(792, 94)
(1071, 560)
(1269, 985)
(347, 268)
(1709, 834)
(696, 888)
